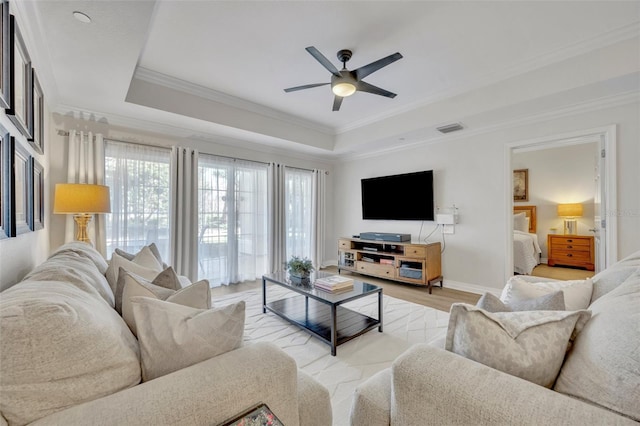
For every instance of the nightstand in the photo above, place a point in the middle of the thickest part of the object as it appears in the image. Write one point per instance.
(571, 250)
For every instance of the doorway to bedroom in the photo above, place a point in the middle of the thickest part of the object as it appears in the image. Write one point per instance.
(547, 177)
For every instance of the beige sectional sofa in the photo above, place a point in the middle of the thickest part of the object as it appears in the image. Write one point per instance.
(599, 381)
(67, 357)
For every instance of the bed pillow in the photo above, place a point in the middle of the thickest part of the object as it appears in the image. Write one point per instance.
(197, 295)
(548, 302)
(520, 222)
(174, 336)
(577, 293)
(143, 264)
(529, 344)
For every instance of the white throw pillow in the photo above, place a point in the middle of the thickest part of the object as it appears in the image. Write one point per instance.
(528, 344)
(143, 264)
(174, 336)
(197, 295)
(166, 279)
(152, 247)
(520, 222)
(577, 293)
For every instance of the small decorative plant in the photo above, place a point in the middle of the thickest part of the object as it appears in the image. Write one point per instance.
(299, 267)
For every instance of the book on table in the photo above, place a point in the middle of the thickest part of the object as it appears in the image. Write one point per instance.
(334, 283)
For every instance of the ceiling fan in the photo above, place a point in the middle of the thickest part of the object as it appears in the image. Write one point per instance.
(344, 82)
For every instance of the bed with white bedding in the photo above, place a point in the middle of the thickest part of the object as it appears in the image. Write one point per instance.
(526, 249)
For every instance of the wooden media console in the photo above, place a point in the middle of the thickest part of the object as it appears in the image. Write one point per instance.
(406, 262)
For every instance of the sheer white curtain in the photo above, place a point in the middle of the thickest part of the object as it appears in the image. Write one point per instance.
(232, 220)
(138, 178)
(318, 216)
(277, 218)
(86, 165)
(184, 216)
(298, 214)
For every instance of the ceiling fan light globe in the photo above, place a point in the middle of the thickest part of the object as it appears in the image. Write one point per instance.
(343, 89)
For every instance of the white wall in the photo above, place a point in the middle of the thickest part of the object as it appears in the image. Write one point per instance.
(469, 171)
(557, 176)
(98, 125)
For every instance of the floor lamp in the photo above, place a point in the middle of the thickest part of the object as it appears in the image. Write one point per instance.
(82, 200)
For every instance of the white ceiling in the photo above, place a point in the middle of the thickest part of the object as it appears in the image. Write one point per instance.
(152, 61)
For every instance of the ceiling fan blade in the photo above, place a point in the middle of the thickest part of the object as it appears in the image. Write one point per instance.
(337, 101)
(364, 71)
(370, 88)
(324, 61)
(306, 86)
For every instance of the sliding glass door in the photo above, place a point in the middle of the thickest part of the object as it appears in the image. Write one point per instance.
(298, 215)
(232, 220)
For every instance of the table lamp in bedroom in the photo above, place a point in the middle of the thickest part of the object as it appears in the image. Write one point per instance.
(570, 212)
(82, 200)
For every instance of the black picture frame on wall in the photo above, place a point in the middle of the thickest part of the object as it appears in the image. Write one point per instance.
(6, 165)
(21, 97)
(38, 195)
(22, 208)
(37, 137)
(5, 60)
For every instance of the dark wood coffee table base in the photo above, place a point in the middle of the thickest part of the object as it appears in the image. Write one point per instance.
(330, 322)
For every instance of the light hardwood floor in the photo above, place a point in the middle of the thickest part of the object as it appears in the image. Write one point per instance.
(561, 273)
(441, 298)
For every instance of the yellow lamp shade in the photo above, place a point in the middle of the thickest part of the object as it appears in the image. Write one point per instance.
(81, 198)
(570, 210)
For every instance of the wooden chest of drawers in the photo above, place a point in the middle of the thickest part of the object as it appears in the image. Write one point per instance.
(571, 250)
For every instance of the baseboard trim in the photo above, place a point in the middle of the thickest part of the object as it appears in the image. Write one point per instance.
(471, 288)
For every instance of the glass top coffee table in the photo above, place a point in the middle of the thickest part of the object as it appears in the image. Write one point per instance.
(319, 312)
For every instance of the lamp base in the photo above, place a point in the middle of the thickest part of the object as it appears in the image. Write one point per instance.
(82, 220)
(570, 227)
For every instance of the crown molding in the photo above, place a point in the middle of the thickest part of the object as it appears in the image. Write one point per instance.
(174, 83)
(163, 130)
(560, 54)
(579, 108)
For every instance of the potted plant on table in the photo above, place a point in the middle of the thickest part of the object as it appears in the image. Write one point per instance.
(299, 269)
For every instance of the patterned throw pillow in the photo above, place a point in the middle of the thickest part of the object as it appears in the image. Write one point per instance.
(529, 344)
(548, 302)
(197, 295)
(174, 336)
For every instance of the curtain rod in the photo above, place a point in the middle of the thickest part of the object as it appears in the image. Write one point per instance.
(66, 133)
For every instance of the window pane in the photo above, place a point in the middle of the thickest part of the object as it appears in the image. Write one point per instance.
(138, 177)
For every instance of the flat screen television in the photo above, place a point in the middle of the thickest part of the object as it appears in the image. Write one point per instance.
(407, 196)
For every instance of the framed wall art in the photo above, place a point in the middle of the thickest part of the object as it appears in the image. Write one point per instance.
(521, 185)
(37, 136)
(38, 195)
(22, 212)
(5, 61)
(6, 158)
(21, 97)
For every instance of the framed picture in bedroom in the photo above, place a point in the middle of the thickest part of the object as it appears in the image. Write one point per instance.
(5, 62)
(22, 209)
(521, 185)
(21, 97)
(37, 136)
(38, 195)
(6, 158)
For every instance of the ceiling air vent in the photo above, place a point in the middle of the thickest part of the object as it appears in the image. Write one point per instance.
(450, 128)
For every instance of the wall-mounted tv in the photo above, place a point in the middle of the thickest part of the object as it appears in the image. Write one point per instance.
(407, 196)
